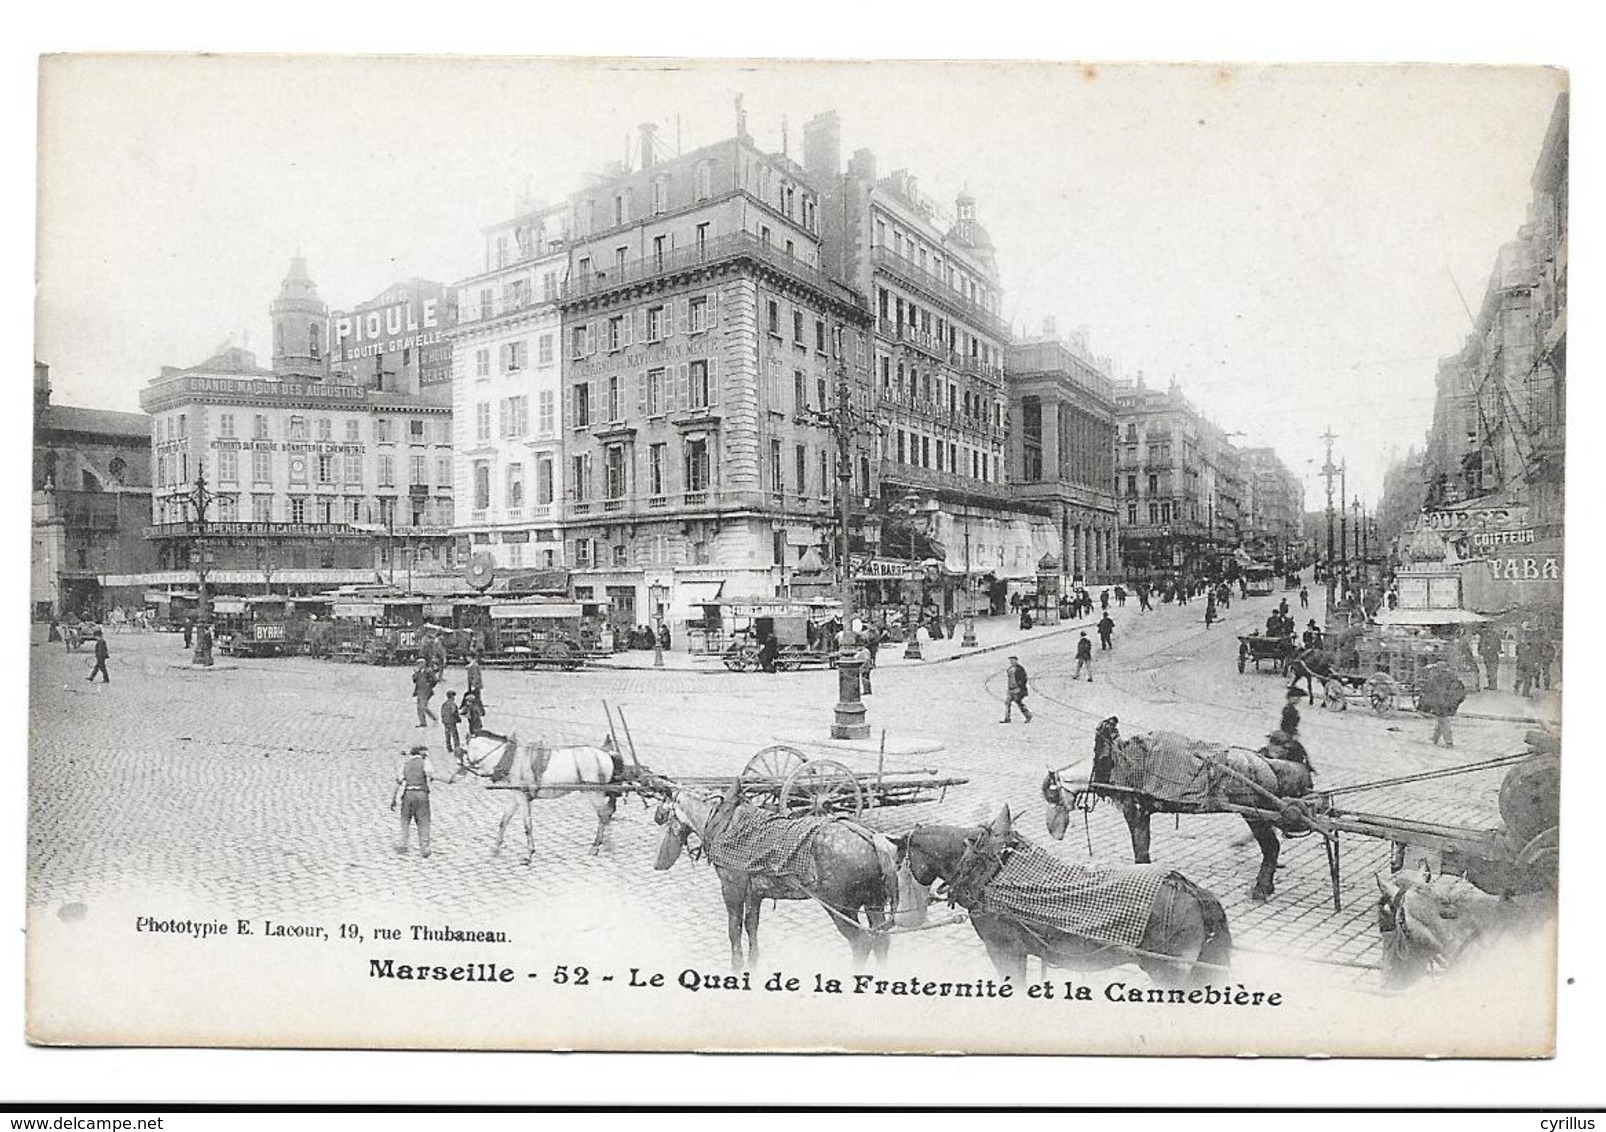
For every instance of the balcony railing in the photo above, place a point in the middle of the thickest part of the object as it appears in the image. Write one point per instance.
(940, 291)
(736, 245)
(695, 499)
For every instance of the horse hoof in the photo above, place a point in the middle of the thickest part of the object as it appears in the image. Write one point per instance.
(1259, 897)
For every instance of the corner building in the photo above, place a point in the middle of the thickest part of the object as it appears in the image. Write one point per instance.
(701, 343)
(940, 348)
(506, 395)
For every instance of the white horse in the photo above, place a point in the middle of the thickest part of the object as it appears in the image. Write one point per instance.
(537, 771)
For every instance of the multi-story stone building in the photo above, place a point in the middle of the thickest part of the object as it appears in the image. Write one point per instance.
(1272, 521)
(318, 476)
(1160, 472)
(939, 354)
(1062, 445)
(507, 395)
(91, 503)
(701, 344)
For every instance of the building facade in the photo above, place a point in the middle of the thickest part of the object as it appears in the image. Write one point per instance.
(91, 503)
(315, 478)
(1163, 481)
(507, 396)
(1062, 446)
(1272, 520)
(938, 371)
(701, 347)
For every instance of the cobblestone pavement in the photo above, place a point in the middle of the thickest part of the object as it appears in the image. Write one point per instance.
(263, 788)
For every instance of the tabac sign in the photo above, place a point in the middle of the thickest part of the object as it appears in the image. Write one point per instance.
(406, 317)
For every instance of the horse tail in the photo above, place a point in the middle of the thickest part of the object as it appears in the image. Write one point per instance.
(1217, 947)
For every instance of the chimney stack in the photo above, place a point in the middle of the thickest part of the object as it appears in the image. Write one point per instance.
(649, 133)
(822, 147)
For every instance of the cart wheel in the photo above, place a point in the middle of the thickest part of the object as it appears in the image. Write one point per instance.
(1333, 695)
(822, 787)
(768, 770)
(1380, 692)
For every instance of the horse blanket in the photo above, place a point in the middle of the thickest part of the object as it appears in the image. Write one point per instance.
(491, 755)
(1107, 905)
(748, 839)
(1188, 772)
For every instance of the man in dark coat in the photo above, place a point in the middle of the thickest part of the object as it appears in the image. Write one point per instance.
(450, 718)
(1015, 690)
(1106, 630)
(1489, 646)
(423, 689)
(101, 653)
(768, 650)
(1084, 657)
(1440, 697)
(474, 710)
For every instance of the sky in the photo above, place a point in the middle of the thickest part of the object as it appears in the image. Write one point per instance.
(1285, 242)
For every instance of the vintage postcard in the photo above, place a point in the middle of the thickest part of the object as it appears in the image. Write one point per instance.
(865, 556)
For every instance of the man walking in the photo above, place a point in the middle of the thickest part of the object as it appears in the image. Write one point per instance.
(1304, 597)
(1489, 646)
(423, 689)
(476, 679)
(1084, 657)
(1015, 696)
(1106, 629)
(1441, 695)
(474, 710)
(450, 717)
(412, 790)
(101, 653)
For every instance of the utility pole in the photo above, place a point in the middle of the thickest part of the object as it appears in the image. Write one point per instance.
(200, 499)
(1343, 514)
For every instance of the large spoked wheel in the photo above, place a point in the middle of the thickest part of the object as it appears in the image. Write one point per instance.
(822, 787)
(767, 771)
(1380, 693)
(561, 654)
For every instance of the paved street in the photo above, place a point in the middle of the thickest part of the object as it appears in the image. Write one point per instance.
(262, 789)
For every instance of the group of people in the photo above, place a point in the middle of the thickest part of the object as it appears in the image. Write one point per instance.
(643, 637)
(427, 674)
(1534, 653)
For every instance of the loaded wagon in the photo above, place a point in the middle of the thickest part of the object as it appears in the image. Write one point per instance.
(804, 632)
(539, 632)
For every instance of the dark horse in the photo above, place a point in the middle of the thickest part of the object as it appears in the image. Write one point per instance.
(1185, 936)
(843, 865)
(1265, 783)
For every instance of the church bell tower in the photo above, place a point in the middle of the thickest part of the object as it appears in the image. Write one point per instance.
(299, 322)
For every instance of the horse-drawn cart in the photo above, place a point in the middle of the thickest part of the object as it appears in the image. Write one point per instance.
(784, 779)
(1277, 651)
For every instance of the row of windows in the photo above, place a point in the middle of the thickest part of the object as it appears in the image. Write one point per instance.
(656, 323)
(804, 467)
(1161, 512)
(921, 451)
(935, 388)
(173, 469)
(906, 318)
(512, 357)
(263, 508)
(624, 207)
(918, 252)
(513, 484)
(296, 427)
(658, 391)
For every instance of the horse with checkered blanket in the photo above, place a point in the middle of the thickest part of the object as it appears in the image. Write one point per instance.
(1023, 900)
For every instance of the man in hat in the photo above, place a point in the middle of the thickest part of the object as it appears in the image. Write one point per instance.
(450, 717)
(412, 791)
(1106, 631)
(423, 689)
(1440, 697)
(1015, 694)
(101, 653)
(1084, 657)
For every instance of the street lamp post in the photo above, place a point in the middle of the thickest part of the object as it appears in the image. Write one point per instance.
(200, 499)
(848, 721)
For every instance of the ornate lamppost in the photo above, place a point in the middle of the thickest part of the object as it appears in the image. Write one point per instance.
(199, 500)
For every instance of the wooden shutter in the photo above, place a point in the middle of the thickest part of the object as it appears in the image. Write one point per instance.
(713, 382)
(683, 388)
(713, 309)
(680, 312)
(627, 329)
(591, 337)
(641, 394)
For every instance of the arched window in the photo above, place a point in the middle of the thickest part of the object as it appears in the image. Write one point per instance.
(313, 336)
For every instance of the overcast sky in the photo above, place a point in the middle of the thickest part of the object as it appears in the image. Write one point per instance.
(1282, 240)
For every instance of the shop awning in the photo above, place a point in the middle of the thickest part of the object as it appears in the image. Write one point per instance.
(1429, 617)
(700, 593)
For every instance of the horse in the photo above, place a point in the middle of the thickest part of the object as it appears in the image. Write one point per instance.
(1428, 926)
(1184, 932)
(760, 856)
(533, 771)
(1268, 782)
